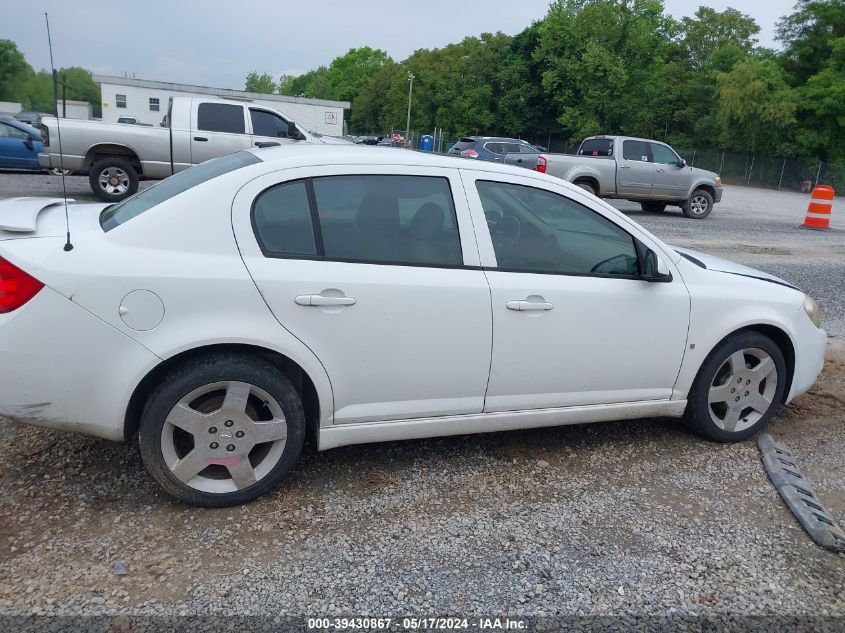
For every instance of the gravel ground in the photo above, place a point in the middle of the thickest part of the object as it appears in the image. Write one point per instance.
(638, 518)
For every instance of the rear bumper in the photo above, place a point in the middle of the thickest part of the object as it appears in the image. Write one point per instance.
(51, 161)
(63, 368)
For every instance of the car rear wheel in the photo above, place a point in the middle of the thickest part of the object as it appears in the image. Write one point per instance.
(739, 388)
(586, 186)
(653, 207)
(222, 430)
(699, 205)
(112, 179)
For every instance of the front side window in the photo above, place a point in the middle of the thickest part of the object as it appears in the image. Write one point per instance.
(120, 101)
(402, 220)
(635, 150)
(220, 117)
(663, 155)
(154, 104)
(12, 132)
(141, 202)
(534, 230)
(268, 124)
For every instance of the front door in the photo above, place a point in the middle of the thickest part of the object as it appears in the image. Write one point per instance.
(217, 129)
(573, 324)
(17, 148)
(376, 271)
(671, 181)
(634, 170)
(268, 127)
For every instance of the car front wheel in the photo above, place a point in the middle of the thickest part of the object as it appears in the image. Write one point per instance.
(738, 389)
(222, 430)
(699, 205)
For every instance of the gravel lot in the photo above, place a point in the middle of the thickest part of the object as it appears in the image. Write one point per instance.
(638, 519)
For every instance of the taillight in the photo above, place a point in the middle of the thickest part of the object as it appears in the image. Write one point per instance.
(45, 135)
(16, 287)
(469, 153)
(541, 164)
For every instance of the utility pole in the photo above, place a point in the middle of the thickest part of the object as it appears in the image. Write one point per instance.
(410, 93)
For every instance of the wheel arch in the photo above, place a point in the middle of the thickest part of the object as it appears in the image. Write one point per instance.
(103, 150)
(706, 186)
(778, 336)
(300, 379)
(588, 179)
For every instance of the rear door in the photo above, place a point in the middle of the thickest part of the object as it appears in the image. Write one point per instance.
(217, 129)
(268, 127)
(634, 170)
(376, 270)
(671, 181)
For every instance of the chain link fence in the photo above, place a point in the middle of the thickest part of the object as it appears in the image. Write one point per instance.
(773, 172)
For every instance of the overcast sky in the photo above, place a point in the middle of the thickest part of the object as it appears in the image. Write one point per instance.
(217, 42)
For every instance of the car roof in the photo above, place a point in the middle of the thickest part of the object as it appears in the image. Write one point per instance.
(494, 138)
(304, 154)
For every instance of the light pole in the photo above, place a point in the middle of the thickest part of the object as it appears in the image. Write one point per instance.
(410, 92)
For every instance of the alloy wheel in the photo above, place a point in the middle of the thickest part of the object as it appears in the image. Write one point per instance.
(698, 205)
(224, 437)
(114, 181)
(742, 390)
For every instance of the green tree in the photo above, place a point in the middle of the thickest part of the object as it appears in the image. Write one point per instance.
(808, 34)
(822, 105)
(348, 73)
(756, 107)
(703, 34)
(14, 72)
(262, 83)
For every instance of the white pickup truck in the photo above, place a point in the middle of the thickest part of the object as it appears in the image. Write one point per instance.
(195, 129)
(637, 169)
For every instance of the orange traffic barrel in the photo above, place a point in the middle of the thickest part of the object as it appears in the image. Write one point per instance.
(818, 211)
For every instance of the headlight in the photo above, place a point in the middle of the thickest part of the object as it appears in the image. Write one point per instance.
(813, 311)
(718, 181)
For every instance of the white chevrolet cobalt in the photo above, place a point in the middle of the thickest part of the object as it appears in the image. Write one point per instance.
(363, 295)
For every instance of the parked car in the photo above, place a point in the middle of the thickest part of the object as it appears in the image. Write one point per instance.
(19, 145)
(312, 290)
(492, 148)
(117, 156)
(128, 119)
(30, 118)
(636, 169)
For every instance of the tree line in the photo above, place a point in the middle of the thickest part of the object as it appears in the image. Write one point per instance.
(613, 67)
(588, 67)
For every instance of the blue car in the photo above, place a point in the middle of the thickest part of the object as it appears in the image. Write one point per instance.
(19, 145)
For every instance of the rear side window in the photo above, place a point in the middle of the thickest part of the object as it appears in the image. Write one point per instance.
(635, 150)
(464, 143)
(596, 147)
(283, 223)
(370, 219)
(122, 212)
(220, 117)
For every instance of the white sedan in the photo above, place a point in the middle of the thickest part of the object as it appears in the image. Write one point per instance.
(361, 295)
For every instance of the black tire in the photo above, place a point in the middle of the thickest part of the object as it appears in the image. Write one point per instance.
(123, 189)
(196, 374)
(698, 413)
(651, 206)
(699, 205)
(586, 186)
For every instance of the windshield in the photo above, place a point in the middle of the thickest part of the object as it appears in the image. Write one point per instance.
(132, 207)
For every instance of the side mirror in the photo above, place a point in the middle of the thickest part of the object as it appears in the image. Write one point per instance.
(682, 163)
(293, 132)
(28, 143)
(654, 268)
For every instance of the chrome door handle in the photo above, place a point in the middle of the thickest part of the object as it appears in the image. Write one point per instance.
(528, 305)
(659, 170)
(322, 300)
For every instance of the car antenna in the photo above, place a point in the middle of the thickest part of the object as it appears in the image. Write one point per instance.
(68, 245)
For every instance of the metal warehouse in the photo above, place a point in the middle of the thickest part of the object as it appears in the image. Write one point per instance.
(147, 101)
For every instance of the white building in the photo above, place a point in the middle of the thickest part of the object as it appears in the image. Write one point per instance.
(74, 109)
(147, 100)
(9, 108)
